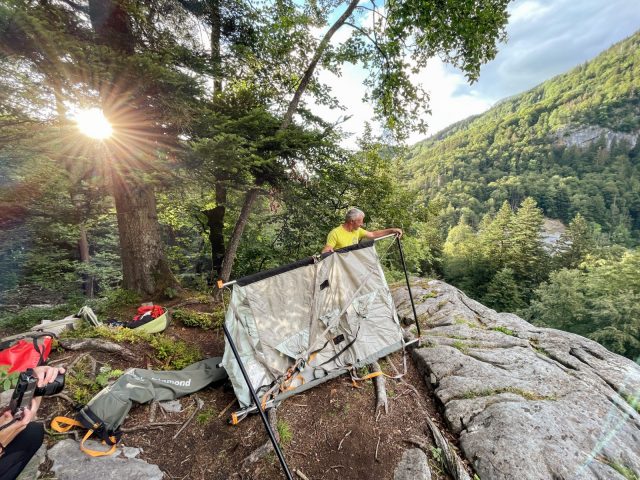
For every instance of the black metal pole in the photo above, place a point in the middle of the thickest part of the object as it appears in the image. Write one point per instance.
(406, 276)
(257, 402)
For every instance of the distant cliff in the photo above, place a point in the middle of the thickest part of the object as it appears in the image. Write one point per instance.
(526, 402)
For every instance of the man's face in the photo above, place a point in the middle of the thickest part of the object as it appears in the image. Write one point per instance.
(358, 222)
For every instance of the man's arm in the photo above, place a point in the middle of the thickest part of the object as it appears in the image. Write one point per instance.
(381, 233)
(327, 248)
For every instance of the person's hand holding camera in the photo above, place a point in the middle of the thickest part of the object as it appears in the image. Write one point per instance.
(45, 376)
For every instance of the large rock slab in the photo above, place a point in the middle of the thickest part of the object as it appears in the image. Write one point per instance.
(69, 463)
(413, 465)
(526, 402)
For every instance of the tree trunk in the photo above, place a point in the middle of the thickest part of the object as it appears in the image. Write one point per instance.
(306, 78)
(234, 241)
(144, 266)
(83, 247)
(215, 218)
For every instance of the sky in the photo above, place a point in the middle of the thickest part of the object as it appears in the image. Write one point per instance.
(545, 38)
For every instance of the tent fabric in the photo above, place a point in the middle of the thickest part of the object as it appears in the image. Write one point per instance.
(301, 324)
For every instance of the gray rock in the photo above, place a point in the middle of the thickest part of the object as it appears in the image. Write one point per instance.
(70, 463)
(131, 452)
(526, 402)
(413, 466)
(31, 470)
(173, 406)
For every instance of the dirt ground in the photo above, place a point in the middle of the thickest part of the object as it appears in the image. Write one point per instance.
(333, 431)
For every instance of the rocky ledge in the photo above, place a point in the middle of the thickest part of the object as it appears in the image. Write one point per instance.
(526, 402)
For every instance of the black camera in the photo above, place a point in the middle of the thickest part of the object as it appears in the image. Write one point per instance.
(27, 388)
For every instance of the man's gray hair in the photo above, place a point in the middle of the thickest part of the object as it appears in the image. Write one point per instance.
(352, 214)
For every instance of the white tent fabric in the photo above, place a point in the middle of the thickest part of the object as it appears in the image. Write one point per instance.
(301, 324)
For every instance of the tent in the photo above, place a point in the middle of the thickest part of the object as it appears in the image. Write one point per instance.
(302, 324)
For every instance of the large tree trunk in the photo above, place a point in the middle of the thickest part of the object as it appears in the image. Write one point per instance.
(144, 265)
(83, 247)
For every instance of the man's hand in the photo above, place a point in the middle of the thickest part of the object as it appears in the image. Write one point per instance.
(327, 248)
(47, 374)
(397, 231)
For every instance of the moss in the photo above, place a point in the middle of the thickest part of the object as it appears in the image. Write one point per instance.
(496, 391)
(621, 468)
(460, 346)
(191, 318)
(176, 354)
(206, 415)
(504, 330)
(633, 400)
(464, 321)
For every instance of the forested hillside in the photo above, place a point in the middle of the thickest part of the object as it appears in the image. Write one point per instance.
(567, 149)
(570, 143)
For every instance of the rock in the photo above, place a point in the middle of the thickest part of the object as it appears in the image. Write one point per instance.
(70, 463)
(131, 452)
(173, 406)
(31, 470)
(413, 466)
(526, 402)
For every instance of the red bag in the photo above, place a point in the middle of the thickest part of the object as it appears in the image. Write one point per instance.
(26, 353)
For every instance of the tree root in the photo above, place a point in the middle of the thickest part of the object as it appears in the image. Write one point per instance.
(99, 345)
(450, 459)
(381, 392)
(266, 447)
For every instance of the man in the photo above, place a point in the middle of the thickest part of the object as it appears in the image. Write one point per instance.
(350, 232)
(21, 440)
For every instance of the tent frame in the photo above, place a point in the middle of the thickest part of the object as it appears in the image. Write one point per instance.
(333, 374)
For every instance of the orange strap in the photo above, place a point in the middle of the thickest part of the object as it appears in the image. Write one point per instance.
(64, 424)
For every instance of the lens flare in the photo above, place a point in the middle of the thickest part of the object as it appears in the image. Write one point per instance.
(92, 123)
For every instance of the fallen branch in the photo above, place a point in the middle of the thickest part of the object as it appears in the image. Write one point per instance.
(231, 403)
(199, 405)
(381, 391)
(450, 459)
(301, 475)
(153, 408)
(99, 345)
(343, 439)
(375, 457)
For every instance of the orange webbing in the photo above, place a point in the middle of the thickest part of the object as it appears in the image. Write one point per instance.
(64, 424)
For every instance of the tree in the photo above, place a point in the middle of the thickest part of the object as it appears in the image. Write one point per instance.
(575, 243)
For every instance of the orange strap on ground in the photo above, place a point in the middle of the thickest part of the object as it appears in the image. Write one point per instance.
(64, 424)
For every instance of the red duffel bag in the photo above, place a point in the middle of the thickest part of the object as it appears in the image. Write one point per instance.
(29, 351)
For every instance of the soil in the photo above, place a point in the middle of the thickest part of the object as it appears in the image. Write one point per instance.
(333, 430)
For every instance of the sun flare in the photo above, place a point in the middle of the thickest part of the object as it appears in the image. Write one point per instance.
(92, 123)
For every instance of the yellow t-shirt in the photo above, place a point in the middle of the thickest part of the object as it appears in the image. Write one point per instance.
(340, 238)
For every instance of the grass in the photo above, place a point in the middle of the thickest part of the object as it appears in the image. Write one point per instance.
(633, 401)
(464, 321)
(504, 330)
(463, 347)
(285, 433)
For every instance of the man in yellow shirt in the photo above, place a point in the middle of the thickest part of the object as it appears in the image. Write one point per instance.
(351, 232)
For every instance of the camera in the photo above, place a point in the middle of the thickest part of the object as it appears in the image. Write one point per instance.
(27, 388)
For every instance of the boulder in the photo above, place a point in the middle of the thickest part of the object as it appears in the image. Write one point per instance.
(70, 463)
(526, 402)
(413, 466)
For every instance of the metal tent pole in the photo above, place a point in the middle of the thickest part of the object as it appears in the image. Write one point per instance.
(276, 447)
(406, 276)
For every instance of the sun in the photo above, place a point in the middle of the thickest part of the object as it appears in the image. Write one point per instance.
(92, 123)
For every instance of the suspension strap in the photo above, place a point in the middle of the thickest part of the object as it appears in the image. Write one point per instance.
(64, 424)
